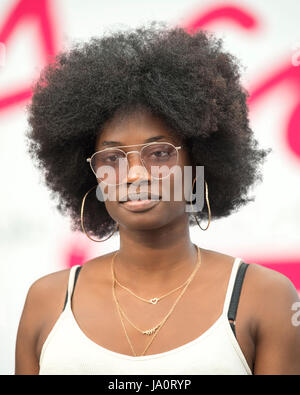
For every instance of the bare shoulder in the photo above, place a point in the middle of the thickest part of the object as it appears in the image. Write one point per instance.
(271, 284)
(49, 288)
(268, 292)
(52, 287)
(44, 299)
(263, 280)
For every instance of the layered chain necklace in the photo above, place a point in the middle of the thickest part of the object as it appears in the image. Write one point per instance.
(154, 330)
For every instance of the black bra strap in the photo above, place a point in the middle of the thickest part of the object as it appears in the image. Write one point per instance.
(236, 295)
(75, 279)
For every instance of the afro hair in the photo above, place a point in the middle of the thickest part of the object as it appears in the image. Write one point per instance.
(186, 79)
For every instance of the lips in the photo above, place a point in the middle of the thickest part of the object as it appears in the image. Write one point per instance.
(139, 197)
(140, 205)
(139, 202)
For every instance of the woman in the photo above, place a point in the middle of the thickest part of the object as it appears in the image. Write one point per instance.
(160, 304)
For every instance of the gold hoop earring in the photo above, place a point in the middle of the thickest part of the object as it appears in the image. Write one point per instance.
(207, 202)
(82, 226)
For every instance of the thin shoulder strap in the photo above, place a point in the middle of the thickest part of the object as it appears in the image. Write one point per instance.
(235, 297)
(230, 285)
(73, 275)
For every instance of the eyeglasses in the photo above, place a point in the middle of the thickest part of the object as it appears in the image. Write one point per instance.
(111, 164)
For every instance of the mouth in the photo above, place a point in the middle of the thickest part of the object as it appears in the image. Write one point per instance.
(139, 202)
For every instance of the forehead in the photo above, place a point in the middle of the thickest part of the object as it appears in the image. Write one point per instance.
(134, 128)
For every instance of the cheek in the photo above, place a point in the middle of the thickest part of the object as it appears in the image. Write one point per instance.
(177, 188)
(108, 193)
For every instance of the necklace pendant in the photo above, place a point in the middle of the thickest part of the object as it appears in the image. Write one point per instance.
(154, 300)
(150, 331)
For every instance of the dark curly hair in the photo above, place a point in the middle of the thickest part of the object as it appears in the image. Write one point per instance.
(186, 79)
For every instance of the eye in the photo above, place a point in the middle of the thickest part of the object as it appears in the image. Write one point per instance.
(160, 154)
(110, 157)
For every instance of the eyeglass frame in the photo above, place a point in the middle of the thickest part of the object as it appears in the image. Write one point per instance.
(129, 152)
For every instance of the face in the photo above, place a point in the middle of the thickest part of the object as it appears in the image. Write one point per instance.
(139, 128)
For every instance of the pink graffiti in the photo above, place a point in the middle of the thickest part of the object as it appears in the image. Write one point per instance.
(230, 13)
(288, 74)
(75, 250)
(29, 10)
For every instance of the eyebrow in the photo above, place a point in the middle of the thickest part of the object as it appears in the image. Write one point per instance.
(155, 138)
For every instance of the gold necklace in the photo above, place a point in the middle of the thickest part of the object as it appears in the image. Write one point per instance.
(151, 330)
(153, 300)
(156, 329)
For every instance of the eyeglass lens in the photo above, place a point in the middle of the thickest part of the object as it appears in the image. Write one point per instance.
(110, 166)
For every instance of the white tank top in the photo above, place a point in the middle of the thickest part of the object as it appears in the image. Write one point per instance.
(67, 350)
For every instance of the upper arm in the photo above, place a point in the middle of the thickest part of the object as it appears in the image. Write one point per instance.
(26, 361)
(43, 303)
(278, 332)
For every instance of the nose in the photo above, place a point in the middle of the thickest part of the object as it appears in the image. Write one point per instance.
(136, 169)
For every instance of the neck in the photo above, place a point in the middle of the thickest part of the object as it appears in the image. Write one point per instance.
(155, 260)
